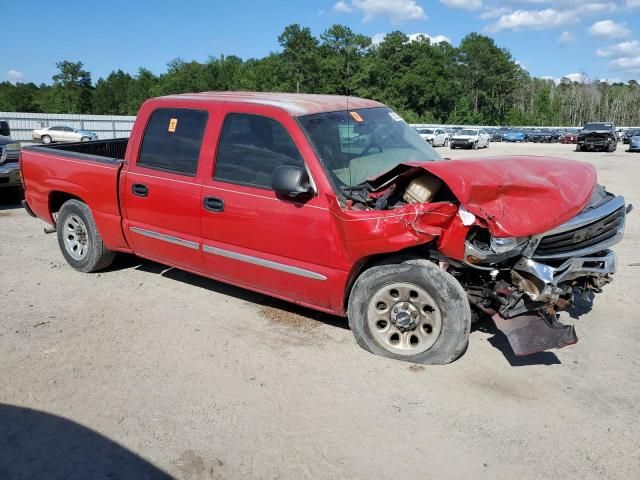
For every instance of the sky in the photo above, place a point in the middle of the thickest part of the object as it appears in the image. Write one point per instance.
(581, 39)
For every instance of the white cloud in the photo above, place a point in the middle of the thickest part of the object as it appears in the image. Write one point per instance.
(576, 77)
(633, 3)
(396, 11)
(14, 76)
(495, 12)
(463, 4)
(413, 37)
(566, 38)
(627, 64)
(623, 49)
(610, 80)
(533, 19)
(573, 77)
(522, 65)
(609, 29)
(342, 7)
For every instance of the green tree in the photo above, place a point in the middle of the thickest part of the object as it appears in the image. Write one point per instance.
(72, 89)
(300, 54)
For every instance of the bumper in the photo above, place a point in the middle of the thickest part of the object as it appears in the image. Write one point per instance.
(10, 175)
(544, 283)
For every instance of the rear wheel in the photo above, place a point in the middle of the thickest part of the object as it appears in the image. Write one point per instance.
(46, 139)
(414, 312)
(79, 239)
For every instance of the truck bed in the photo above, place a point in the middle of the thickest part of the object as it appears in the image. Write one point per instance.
(106, 151)
(88, 171)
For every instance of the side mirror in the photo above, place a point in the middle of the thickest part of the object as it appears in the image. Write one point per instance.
(291, 181)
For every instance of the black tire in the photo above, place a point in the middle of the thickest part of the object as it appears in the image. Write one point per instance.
(46, 139)
(578, 148)
(98, 256)
(445, 290)
(475, 146)
(85, 139)
(612, 147)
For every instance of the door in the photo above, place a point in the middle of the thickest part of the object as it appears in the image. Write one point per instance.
(161, 190)
(439, 137)
(253, 237)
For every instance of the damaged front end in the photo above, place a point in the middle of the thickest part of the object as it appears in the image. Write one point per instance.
(526, 237)
(547, 274)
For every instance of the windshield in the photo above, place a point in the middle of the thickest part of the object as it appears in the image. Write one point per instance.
(598, 126)
(360, 144)
(425, 131)
(467, 132)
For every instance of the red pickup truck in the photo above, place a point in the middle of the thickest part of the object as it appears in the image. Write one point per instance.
(337, 204)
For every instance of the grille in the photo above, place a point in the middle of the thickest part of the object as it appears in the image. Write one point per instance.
(585, 236)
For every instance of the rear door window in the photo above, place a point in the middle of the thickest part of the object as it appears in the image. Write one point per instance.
(172, 140)
(251, 147)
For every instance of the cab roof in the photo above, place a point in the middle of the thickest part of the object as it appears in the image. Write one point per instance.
(296, 104)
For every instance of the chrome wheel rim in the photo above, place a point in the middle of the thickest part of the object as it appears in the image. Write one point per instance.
(76, 240)
(404, 319)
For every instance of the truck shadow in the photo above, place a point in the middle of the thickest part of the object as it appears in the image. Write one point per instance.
(10, 198)
(130, 261)
(499, 341)
(35, 444)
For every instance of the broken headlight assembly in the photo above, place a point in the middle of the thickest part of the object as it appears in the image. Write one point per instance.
(481, 248)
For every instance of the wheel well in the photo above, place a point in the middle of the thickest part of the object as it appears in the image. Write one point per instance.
(57, 199)
(366, 263)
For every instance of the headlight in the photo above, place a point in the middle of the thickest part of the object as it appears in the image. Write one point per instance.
(13, 146)
(503, 245)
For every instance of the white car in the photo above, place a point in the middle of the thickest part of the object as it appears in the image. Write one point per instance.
(470, 138)
(62, 134)
(435, 136)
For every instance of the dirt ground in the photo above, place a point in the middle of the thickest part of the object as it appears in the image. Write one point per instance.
(147, 372)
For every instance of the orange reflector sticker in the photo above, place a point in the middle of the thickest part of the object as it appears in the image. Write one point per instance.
(356, 116)
(173, 124)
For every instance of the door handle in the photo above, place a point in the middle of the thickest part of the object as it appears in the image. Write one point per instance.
(213, 204)
(140, 190)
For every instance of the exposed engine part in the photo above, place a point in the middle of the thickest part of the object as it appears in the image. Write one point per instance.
(422, 189)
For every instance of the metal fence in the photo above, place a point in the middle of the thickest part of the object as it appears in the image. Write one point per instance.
(106, 126)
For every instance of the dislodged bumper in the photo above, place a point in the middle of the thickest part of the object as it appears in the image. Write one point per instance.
(544, 283)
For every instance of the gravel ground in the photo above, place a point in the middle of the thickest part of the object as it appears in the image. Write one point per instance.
(149, 372)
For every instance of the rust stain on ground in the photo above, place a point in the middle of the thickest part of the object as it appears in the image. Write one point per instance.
(285, 318)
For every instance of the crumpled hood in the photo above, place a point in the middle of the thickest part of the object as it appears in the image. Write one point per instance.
(518, 196)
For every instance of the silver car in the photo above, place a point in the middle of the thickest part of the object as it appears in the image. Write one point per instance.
(62, 134)
(435, 136)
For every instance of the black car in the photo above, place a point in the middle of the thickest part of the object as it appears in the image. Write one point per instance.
(630, 133)
(9, 166)
(597, 136)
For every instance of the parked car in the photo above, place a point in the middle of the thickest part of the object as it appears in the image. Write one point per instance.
(597, 136)
(543, 136)
(254, 189)
(5, 130)
(628, 134)
(495, 135)
(62, 134)
(634, 143)
(514, 136)
(437, 137)
(9, 160)
(569, 136)
(470, 138)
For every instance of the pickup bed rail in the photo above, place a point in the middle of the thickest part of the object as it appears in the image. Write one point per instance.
(104, 151)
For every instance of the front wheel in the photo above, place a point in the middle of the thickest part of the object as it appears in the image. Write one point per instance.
(475, 145)
(414, 311)
(46, 139)
(446, 142)
(79, 239)
(85, 139)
